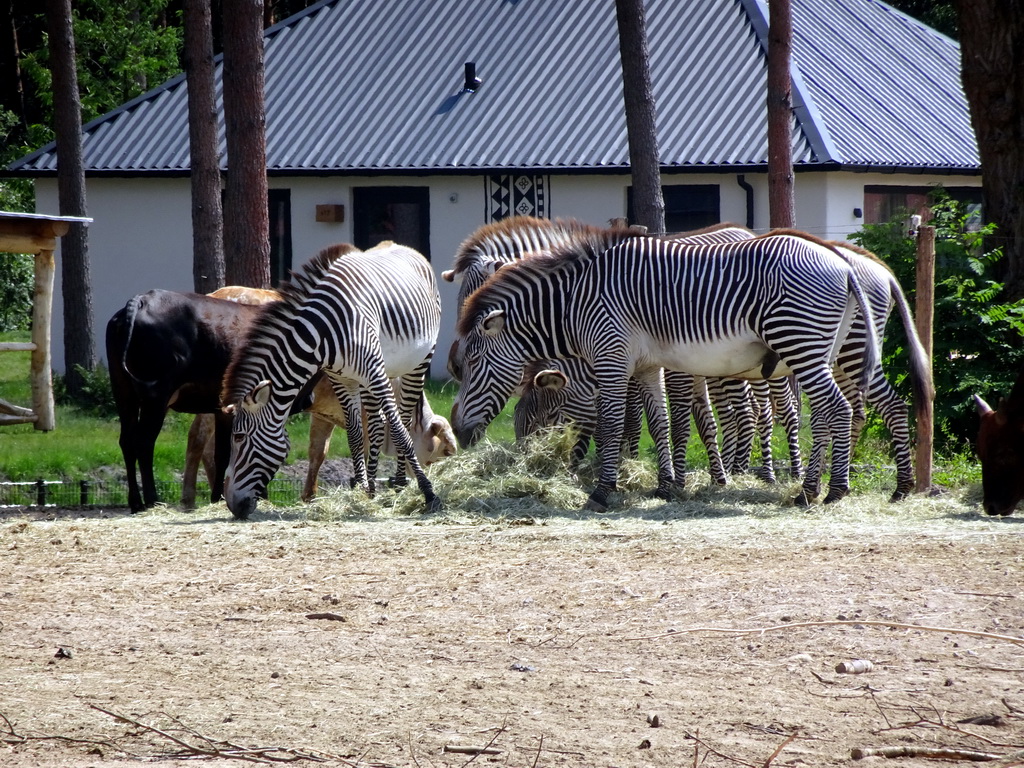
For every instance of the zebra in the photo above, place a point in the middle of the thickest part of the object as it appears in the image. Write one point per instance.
(501, 243)
(362, 318)
(759, 308)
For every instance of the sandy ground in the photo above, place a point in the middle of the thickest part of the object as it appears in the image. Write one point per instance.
(567, 640)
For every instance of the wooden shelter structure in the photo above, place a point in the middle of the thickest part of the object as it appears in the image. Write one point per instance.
(35, 234)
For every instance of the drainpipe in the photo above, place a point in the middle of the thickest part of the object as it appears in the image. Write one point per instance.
(742, 181)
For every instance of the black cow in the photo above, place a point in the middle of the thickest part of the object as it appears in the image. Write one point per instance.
(1001, 450)
(170, 350)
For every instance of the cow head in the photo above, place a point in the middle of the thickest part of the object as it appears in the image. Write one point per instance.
(1001, 450)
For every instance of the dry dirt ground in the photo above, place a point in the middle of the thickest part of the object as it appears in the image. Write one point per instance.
(562, 640)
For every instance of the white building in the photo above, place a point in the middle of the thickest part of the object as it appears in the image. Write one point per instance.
(368, 113)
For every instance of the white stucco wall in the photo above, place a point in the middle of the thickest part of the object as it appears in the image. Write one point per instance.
(141, 235)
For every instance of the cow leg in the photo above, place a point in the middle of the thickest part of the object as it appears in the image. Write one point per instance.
(199, 436)
(221, 455)
(150, 421)
(320, 430)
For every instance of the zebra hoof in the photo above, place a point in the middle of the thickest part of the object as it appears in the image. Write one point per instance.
(434, 505)
(803, 499)
(594, 505)
(899, 495)
(835, 494)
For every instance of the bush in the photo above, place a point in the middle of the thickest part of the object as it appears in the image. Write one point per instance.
(96, 397)
(977, 340)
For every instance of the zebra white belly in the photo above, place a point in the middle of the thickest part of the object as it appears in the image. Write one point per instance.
(401, 356)
(738, 357)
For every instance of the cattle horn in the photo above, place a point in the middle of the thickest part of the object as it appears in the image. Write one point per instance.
(983, 407)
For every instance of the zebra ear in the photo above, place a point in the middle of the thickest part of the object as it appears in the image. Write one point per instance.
(494, 322)
(550, 379)
(258, 398)
(448, 275)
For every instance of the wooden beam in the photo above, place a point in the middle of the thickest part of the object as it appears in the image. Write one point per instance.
(17, 346)
(15, 243)
(924, 313)
(41, 373)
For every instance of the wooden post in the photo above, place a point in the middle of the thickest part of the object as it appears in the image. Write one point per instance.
(924, 312)
(42, 304)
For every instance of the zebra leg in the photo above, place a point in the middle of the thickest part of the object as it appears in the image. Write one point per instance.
(784, 404)
(726, 421)
(739, 393)
(894, 412)
(608, 436)
(830, 422)
(348, 397)
(411, 388)
(652, 387)
(632, 427)
(765, 425)
(374, 441)
(679, 389)
(707, 429)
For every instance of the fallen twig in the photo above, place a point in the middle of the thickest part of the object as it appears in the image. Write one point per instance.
(836, 623)
(224, 749)
(461, 750)
(859, 753)
(778, 749)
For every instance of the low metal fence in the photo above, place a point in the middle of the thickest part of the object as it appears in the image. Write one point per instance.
(114, 493)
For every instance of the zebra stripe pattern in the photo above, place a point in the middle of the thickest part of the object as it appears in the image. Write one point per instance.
(737, 309)
(362, 318)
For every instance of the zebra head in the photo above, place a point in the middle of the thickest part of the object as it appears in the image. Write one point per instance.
(491, 365)
(259, 444)
(542, 402)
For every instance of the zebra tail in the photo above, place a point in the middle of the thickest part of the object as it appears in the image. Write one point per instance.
(872, 348)
(920, 363)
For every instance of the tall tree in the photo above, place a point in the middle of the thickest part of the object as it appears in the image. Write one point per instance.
(781, 195)
(641, 118)
(246, 216)
(204, 150)
(991, 42)
(79, 345)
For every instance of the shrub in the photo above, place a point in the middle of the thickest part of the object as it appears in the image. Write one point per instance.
(977, 338)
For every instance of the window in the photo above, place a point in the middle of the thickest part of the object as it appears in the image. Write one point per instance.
(280, 206)
(883, 203)
(401, 214)
(687, 206)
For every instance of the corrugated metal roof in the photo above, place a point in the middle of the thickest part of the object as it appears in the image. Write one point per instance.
(366, 86)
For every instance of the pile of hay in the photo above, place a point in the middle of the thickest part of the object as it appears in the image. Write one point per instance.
(534, 477)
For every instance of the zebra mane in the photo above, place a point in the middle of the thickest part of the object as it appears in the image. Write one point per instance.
(520, 234)
(560, 257)
(712, 229)
(238, 376)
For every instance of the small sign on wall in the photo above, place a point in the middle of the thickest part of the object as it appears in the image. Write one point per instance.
(333, 213)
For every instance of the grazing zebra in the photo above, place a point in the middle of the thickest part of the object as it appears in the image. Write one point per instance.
(501, 243)
(361, 318)
(759, 308)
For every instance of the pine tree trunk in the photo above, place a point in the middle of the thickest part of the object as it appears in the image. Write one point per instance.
(991, 44)
(246, 216)
(641, 119)
(781, 196)
(204, 150)
(79, 345)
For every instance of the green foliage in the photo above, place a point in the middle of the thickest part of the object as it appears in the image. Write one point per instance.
(977, 339)
(96, 398)
(123, 49)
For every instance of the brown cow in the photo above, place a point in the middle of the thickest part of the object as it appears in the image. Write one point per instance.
(1001, 450)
